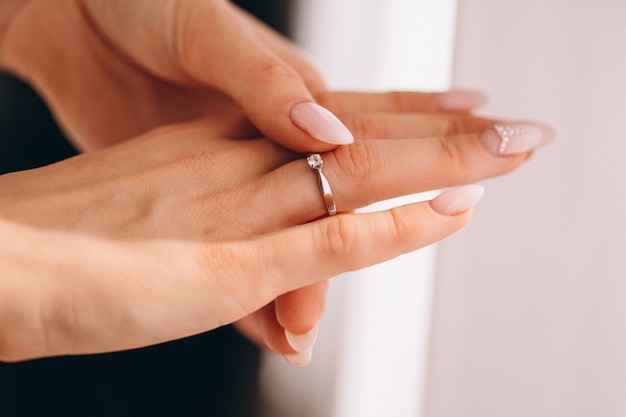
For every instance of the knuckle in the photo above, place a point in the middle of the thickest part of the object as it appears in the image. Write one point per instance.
(450, 154)
(339, 237)
(356, 161)
(454, 126)
(268, 69)
(404, 230)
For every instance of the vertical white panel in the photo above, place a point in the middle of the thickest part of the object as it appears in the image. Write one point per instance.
(379, 45)
(370, 356)
(530, 315)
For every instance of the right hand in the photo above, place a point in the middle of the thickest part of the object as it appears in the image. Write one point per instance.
(111, 70)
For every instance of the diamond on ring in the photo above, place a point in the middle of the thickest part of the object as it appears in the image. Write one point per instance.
(506, 132)
(316, 163)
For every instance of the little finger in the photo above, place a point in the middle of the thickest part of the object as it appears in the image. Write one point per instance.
(345, 102)
(410, 126)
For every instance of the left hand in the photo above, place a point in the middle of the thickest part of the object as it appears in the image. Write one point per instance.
(113, 69)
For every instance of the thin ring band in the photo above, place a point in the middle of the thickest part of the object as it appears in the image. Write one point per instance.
(316, 163)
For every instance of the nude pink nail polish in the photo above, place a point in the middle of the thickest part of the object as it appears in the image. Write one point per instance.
(460, 100)
(457, 200)
(300, 358)
(302, 342)
(320, 123)
(512, 138)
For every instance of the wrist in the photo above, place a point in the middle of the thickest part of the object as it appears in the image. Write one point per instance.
(9, 9)
(19, 294)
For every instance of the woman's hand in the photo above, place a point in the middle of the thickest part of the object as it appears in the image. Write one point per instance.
(113, 69)
(193, 226)
(290, 322)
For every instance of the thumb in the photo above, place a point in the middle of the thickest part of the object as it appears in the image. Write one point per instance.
(228, 55)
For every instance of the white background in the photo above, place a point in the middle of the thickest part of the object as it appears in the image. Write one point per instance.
(529, 312)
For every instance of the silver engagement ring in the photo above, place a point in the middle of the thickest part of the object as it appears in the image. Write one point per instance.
(316, 163)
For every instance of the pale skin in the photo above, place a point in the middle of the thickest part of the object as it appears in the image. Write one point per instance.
(186, 228)
(159, 61)
(142, 64)
(98, 259)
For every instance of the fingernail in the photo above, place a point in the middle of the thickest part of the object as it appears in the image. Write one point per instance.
(547, 132)
(457, 200)
(302, 342)
(460, 100)
(300, 358)
(512, 138)
(320, 123)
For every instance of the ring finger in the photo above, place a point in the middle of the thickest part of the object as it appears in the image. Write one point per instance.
(374, 170)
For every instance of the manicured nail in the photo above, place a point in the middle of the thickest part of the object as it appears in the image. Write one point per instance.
(547, 132)
(460, 100)
(512, 138)
(300, 358)
(302, 342)
(457, 200)
(321, 124)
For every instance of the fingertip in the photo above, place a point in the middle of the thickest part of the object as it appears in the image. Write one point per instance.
(300, 310)
(302, 342)
(457, 200)
(299, 359)
(460, 100)
(320, 123)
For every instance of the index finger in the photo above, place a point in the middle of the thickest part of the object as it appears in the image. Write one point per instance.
(306, 254)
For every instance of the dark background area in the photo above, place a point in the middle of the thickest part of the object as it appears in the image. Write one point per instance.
(212, 374)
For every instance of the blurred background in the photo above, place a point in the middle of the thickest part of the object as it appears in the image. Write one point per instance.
(523, 313)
